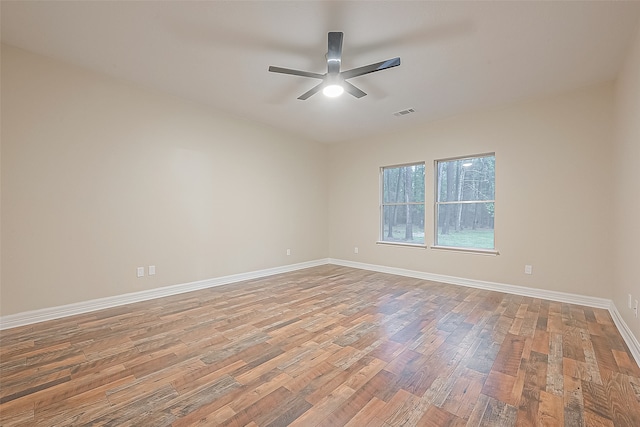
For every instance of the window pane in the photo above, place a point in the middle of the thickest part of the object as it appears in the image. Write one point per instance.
(468, 179)
(466, 225)
(396, 227)
(403, 184)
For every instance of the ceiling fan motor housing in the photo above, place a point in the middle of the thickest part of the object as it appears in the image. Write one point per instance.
(333, 76)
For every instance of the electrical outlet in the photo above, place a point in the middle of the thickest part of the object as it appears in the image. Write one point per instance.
(140, 271)
(288, 251)
(355, 250)
(528, 269)
(152, 270)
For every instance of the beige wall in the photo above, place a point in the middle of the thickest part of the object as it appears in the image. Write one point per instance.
(553, 198)
(100, 177)
(626, 187)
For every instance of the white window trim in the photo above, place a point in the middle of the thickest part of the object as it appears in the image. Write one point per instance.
(410, 245)
(468, 250)
(381, 240)
(436, 194)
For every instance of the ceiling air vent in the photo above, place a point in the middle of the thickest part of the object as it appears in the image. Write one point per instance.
(404, 112)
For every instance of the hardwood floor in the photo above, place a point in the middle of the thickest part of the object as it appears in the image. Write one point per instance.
(326, 346)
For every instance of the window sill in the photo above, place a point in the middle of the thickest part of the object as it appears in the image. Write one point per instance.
(410, 245)
(468, 250)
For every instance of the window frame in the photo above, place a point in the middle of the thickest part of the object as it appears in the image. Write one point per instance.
(382, 205)
(437, 204)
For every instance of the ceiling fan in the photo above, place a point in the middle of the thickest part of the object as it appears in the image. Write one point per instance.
(334, 81)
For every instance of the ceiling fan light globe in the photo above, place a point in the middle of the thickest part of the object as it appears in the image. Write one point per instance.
(333, 91)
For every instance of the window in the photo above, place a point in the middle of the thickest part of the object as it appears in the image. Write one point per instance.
(465, 202)
(402, 204)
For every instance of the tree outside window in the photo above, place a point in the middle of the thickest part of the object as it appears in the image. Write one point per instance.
(402, 204)
(465, 202)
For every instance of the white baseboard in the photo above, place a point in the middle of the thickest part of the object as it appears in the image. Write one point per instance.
(490, 286)
(36, 316)
(625, 331)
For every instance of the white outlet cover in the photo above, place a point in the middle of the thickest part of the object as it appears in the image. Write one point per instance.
(630, 301)
(152, 270)
(528, 269)
(140, 271)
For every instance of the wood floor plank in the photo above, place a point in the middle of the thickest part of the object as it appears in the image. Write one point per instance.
(367, 413)
(499, 413)
(324, 407)
(604, 354)
(500, 386)
(596, 400)
(535, 380)
(573, 402)
(625, 363)
(17, 412)
(436, 417)
(328, 346)
(79, 403)
(625, 408)
(554, 364)
(551, 410)
(541, 341)
(510, 355)
(404, 408)
(351, 407)
(479, 409)
(465, 393)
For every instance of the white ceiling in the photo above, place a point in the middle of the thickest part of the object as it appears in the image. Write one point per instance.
(456, 56)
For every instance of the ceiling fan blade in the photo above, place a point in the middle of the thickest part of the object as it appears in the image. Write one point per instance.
(311, 91)
(348, 87)
(295, 72)
(334, 52)
(379, 66)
